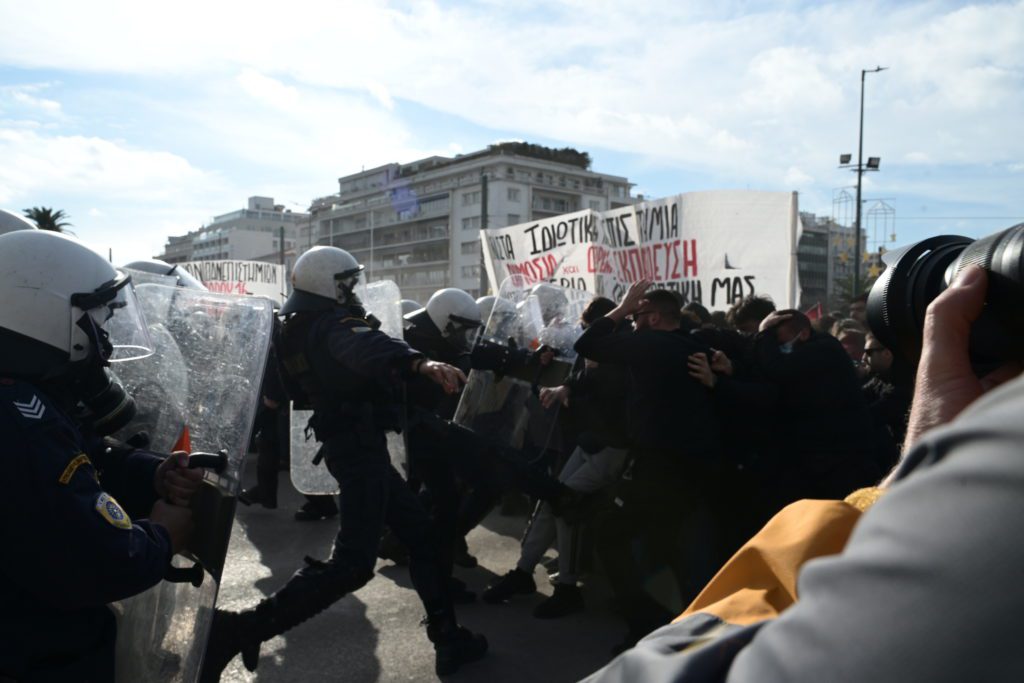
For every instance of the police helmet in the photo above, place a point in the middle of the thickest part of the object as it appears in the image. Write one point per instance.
(182, 277)
(10, 221)
(552, 300)
(409, 306)
(455, 314)
(63, 304)
(322, 278)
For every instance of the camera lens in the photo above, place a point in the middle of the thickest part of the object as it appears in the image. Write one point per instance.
(919, 273)
(915, 275)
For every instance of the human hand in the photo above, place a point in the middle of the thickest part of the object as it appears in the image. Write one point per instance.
(174, 481)
(550, 396)
(700, 369)
(946, 383)
(634, 295)
(721, 363)
(176, 519)
(448, 377)
(774, 319)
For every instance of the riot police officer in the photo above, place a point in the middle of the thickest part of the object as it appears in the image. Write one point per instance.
(334, 359)
(83, 521)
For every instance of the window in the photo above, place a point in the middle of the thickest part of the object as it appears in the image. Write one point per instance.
(513, 218)
(471, 223)
(513, 194)
(471, 198)
(595, 204)
(471, 271)
(471, 248)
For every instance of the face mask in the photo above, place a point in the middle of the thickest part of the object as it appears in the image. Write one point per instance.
(787, 348)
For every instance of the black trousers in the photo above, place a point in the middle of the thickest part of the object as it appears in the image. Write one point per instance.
(373, 494)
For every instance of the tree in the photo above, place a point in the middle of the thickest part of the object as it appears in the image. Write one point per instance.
(48, 219)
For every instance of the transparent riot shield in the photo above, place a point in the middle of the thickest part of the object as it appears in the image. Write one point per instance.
(382, 300)
(221, 343)
(502, 405)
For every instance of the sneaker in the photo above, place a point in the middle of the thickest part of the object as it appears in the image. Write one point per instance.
(456, 647)
(317, 508)
(566, 600)
(516, 582)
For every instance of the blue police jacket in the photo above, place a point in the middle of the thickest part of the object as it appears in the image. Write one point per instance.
(70, 537)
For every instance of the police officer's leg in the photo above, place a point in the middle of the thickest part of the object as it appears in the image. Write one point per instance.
(453, 645)
(363, 472)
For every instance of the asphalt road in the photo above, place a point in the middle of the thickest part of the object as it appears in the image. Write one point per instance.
(374, 634)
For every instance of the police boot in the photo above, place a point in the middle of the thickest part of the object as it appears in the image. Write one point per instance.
(310, 591)
(453, 644)
(231, 633)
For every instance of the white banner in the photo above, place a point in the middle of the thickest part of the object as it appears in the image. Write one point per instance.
(241, 277)
(714, 248)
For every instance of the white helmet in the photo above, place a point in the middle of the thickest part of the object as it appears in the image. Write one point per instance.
(10, 221)
(455, 314)
(63, 304)
(182, 277)
(323, 277)
(409, 306)
(552, 300)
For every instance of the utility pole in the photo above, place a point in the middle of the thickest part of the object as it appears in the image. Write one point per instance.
(483, 228)
(281, 240)
(860, 176)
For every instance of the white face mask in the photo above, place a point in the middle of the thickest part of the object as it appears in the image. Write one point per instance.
(787, 348)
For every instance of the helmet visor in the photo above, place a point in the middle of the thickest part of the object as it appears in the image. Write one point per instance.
(114, 308)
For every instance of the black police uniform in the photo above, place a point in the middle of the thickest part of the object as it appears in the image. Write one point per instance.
(336, 361)
(71, 540)
(436, 460)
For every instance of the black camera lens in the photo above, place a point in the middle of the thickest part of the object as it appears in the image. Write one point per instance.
(919, 273)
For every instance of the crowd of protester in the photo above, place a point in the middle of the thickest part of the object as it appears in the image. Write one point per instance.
(725, 449)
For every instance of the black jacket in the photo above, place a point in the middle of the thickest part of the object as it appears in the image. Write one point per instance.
(668, 411)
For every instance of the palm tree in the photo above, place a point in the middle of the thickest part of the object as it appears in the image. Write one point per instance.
(48, 219)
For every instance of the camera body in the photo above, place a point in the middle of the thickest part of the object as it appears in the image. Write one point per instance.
(920, 272)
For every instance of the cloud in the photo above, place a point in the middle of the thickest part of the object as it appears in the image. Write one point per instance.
(757, 94)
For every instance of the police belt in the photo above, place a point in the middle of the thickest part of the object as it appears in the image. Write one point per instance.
(329, 421)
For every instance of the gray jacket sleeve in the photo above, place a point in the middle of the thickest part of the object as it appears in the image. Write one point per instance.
(930, 586)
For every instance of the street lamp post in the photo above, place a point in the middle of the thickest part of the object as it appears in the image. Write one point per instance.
(860, 168)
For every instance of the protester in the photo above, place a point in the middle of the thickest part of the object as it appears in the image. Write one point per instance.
(661, 499)
(936, 557)
(594, 400)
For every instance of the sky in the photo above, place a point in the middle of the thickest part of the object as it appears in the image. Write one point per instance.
(144, 120)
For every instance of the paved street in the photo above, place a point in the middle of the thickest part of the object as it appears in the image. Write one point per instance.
(374, 635)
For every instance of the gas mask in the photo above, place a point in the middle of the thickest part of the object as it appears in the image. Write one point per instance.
(107, 405)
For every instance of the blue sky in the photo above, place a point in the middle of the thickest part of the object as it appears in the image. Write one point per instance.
(143, 121)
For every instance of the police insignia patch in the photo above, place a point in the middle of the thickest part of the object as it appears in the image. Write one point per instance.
(109, 510)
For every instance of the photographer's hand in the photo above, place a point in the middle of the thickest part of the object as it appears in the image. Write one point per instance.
(946, 383)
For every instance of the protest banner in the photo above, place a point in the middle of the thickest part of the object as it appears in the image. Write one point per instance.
(241, 277)
(713, 248)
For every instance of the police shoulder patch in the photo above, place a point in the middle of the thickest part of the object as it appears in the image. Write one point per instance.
(364, 327)
(110, 510)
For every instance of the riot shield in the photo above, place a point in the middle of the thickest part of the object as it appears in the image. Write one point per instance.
(382, 300)
(221, 342)
(501, 405)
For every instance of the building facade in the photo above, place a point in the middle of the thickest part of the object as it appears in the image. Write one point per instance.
(418, 223)
(249, 234)
(826, 258)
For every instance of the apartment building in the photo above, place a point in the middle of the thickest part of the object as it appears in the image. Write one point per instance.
(418, 223)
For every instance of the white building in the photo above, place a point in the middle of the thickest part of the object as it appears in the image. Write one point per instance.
(250, 234)
(418, 223)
